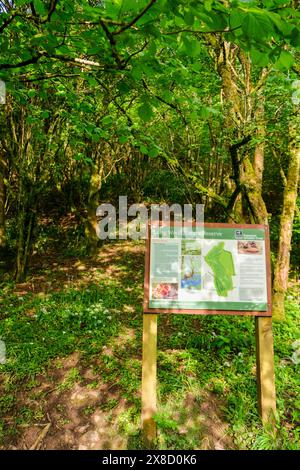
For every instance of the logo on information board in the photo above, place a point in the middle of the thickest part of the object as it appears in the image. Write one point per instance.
(239, 234)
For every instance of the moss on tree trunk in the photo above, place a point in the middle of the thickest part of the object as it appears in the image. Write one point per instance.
(2, 203)
(281, 273)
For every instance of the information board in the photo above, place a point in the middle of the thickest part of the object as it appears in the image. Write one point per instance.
(215, 268)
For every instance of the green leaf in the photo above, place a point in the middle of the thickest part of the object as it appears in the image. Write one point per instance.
(107, 120)
(19, 3)
(204, 112)
(295, 37)
(31, 93)
(129, 5)
(123, 139)
(145, 111)
(31, 120)
(104, 134)
(144, 149)
(192, 47)
(148, 71)
(167, 96)
(96, 137)
(39, 7)
(259, 58)
(257, 25)
(208, 5)
(92, 81)
(88, 161)
(285, 60)
(193, 116)
(236, 18)
(137, 72)
(189, 18)
(151, 30)
(124, 87)
(153, 152)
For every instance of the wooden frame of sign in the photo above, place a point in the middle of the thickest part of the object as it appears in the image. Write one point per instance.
(263, 334)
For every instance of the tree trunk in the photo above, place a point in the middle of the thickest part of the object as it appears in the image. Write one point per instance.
(252, 193)
(26, 225)
(91, 220)
(25, 245)
(2, 203)
(248, 179)
(259, 151)
(281, 273)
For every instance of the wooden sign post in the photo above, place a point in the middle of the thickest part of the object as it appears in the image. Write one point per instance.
(149, 377)
(265, 371)
(225, 270)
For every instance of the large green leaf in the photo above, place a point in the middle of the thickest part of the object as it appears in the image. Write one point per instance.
(39, 7)
(19, 3)
(145, 111)
(286, 60)
(192, 47)
(257, 25)
(259, 58)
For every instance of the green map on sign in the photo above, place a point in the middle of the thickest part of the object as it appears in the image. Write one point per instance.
(221, 263)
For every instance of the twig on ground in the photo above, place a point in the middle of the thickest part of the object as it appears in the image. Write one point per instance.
(41, 437)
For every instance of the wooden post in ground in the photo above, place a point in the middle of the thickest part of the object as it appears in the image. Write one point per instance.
(265, 371)
(149, 378)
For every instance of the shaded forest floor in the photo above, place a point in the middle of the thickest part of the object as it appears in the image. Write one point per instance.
(73, 334)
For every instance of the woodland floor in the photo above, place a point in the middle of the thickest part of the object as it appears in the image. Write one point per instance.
(73, 335)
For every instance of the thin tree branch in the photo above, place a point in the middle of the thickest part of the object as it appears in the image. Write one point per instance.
(132, 22)
(23, 63)
(97, 23)
(216, 31)
(52, 8)
(262, 80)
(215, 197)
(113, 44)
(77, 61)
(159, 98)
(123, 111)
(233, 198)
(62, 58)
(135, 53)
(49, 76)
(8, 21)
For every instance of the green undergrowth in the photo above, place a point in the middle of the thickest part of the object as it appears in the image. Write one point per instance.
(198, 357)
